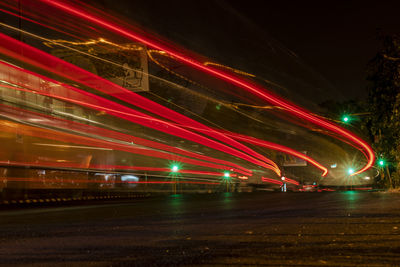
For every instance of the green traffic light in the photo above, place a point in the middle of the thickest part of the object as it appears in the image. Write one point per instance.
(381, 162)
(346, 118)
(226, 174)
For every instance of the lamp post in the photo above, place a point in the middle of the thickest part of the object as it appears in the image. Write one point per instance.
(174, 170)
(226, 178)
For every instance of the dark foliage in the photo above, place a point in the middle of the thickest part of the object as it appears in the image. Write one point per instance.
(384, 106)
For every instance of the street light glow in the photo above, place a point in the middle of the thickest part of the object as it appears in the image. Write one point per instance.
(345, 118)
(175, 168)
(350, 171)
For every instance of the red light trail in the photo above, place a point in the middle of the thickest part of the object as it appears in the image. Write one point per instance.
(270, 180)
(291, 181)
(273, 181)
(84, 98)
(90, 129)
(255, 89)
(104, 167)
(36, 57)
(82, 140)
(278, 147)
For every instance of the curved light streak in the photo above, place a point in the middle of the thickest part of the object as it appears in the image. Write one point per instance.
(48, 120)
(103, 167)
(11, 127)
(291, 181)
(272, 181)
(117, 146)
(38, 58)
(244, 138)
(255, 89)
(274, 146)
(281, 148)
(86, 99)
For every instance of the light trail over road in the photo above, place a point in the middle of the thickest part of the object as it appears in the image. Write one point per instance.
(83, 81)
(253, 88)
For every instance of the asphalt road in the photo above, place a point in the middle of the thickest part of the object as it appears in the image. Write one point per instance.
(248, 229)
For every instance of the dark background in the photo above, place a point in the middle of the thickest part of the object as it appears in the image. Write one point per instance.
(336, 38)
(322, 47)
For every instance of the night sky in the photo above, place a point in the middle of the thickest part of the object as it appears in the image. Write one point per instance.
(317, 49)
(335, 38)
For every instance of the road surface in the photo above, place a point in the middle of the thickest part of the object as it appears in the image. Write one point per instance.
(248, 229)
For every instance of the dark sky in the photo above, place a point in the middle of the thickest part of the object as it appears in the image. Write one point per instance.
(335, 38)
(331, 41)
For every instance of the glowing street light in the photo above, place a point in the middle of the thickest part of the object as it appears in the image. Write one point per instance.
(381, 162)
(346, 118)
(226, 174)
(350, 171)
(175, 168)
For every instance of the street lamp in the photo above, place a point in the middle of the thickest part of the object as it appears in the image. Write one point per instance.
(175, 168)
(350, 171)
(283, 188)
(227, 180)
(346, 118)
